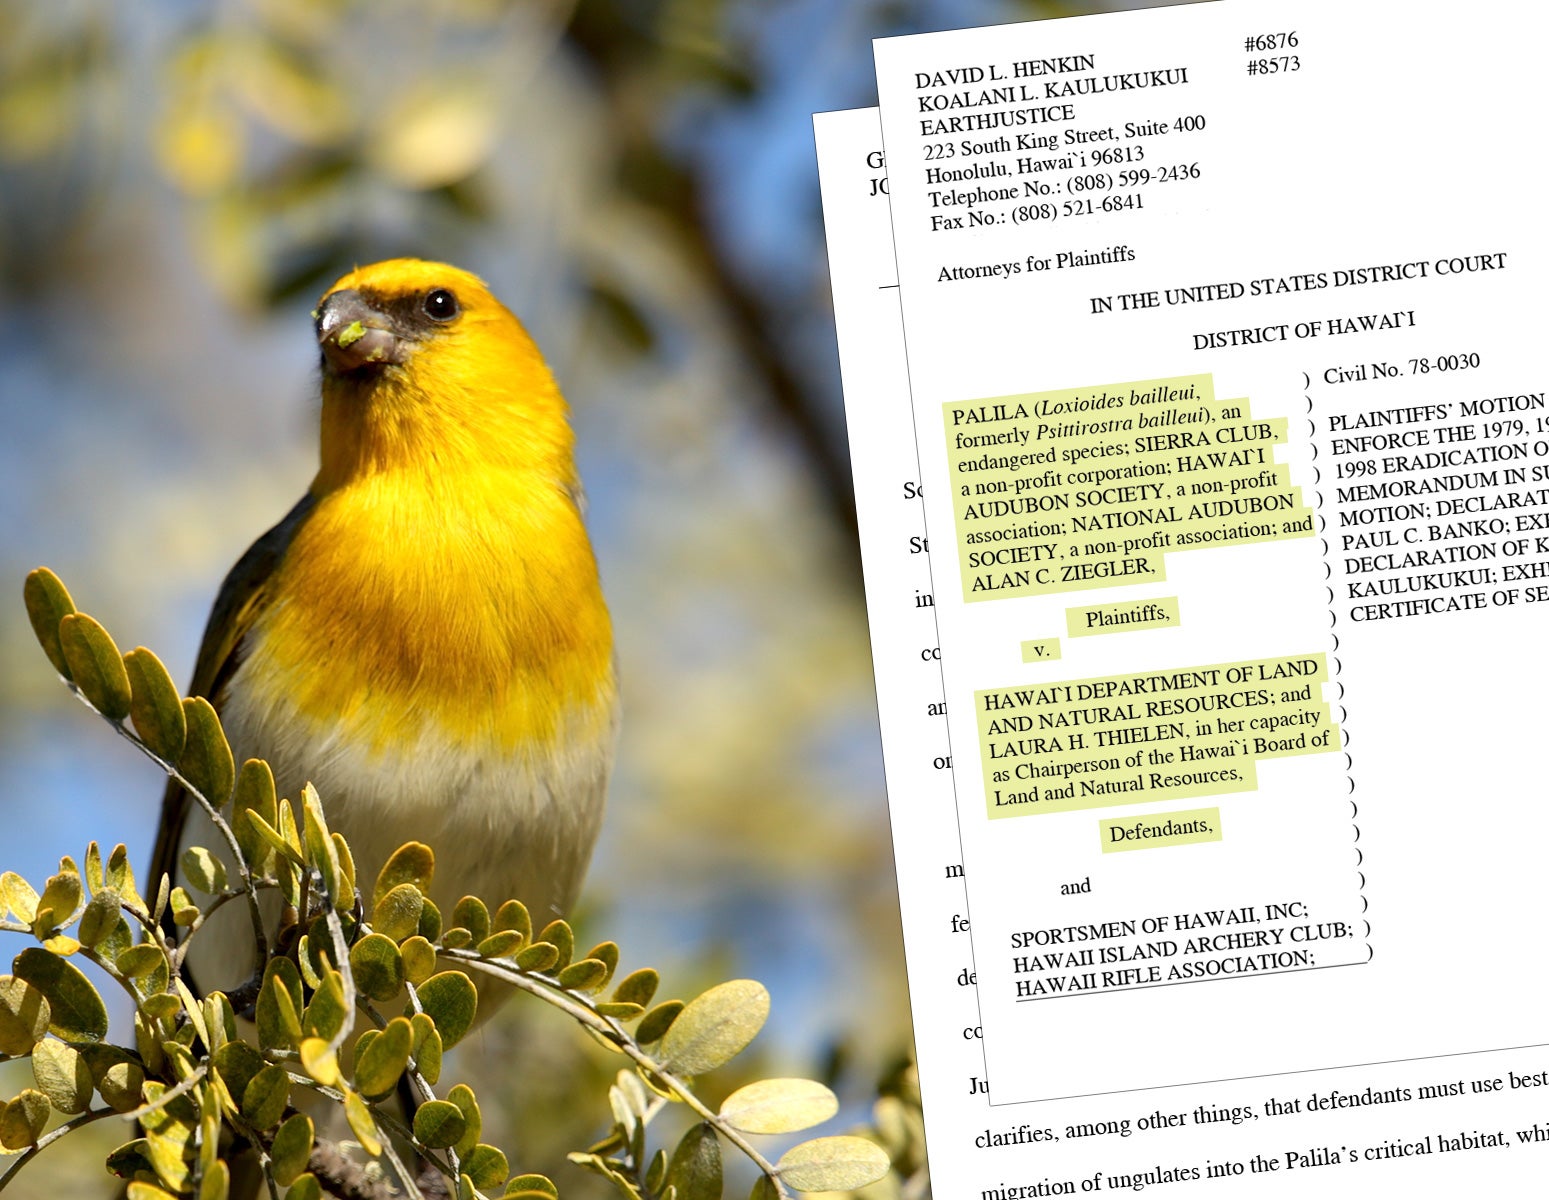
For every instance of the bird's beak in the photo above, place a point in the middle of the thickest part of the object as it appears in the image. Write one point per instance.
(352, 334)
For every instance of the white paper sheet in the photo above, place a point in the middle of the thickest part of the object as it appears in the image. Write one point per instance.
(1425, 824)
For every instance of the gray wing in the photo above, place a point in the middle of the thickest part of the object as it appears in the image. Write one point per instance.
(243, 597)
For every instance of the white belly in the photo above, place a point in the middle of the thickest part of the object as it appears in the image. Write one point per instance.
(502, 826)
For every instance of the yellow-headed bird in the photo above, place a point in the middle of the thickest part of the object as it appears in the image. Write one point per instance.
(424, 635)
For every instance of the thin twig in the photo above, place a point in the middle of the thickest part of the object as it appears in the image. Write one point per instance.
(346, 1178)
(111, 968)
(48, 1139)
(391, 1123)
(168, 1096)
(342, 965)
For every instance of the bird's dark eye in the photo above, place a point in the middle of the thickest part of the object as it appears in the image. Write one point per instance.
(441, 305)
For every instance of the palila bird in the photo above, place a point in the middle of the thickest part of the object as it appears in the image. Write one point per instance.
(424, 636)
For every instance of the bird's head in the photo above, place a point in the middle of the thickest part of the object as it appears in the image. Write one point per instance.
(422, 364)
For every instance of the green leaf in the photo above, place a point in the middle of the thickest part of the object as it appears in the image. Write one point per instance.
(606, 953)
(147, 1040)
(498, 945)
(155, 706)
(128, 1159)
(319, 1060)
(656, 1173)
(715, 1027)
(175, 1118)
(279, 1006)
(220, 1019)
(638, 987)
(451, 1000)
(585, 976)
(122, 1085)
(184, 910)
(486, 1166)
(695, 1169)
(291, 1148)
(95, 665)
(513, 915)
(22, 1120)
(419, 960)
(306, 1187)
(327, 1011)
(195, 1012)
(471, 914)
(162, 1006)
(462, 1096)
(178, 1050)
(237, 1063)
(61, 895)
(120, 877)
(397, 912)
(439, 1124)
(362, 1125)
(210, 1119)
(176, 1114)
(101, 919)
(61, 1074)
(316, 951)
(263, 1101)
(528, 1186)
(427, 1047)
(377, 965)
(345, 900)
(619, 1012)
(764, 1189)
(319, 844)
(18, 895)
(430, 921)
(48, 603)
(379, 1065)
(832, 1164)
(139, 1189)
(558, 933)
(159, 907)
(779, 1106)
(206, 760)
(118, 938)
(102, 1055)
(76, 1011)
(310, 961)
(540, 956)
(139, 961)
(94, 877)
(171, 1160)
(413, 862)
(629, 1102)
(658, 1021)
(216, 1184)
(289, 833)
(254, 792)
(204, 870)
